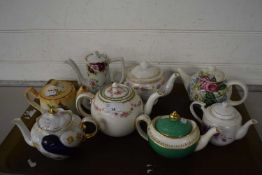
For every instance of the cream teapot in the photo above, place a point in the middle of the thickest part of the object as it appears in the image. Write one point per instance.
(211, 86)
(115, 107)
(97, 66)
(172, 136)
(226, 118)
(147, 79)
(56, 133)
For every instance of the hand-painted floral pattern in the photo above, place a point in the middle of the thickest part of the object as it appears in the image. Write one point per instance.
(205, 88)
(97, 67)
(122, 114)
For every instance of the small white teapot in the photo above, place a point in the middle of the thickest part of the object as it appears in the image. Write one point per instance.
(226, 118)
(56, 133)
(147, 79)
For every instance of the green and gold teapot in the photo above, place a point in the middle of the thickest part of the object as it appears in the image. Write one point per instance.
(172, 136)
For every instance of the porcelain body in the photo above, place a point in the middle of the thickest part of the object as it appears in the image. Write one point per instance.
(147, 79)
(97, 70)
(115, 108)
(57, 93)
(56, 135)
(211, 86)
(169, 146)
(226, 118)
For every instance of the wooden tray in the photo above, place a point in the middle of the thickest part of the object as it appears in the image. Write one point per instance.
(132, 154)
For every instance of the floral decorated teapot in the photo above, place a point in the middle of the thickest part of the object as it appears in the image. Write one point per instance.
(147, 79)
(172, 136)
(97, 70)
(115, 107)
(210, 86)
(226, 118)
(56, 133)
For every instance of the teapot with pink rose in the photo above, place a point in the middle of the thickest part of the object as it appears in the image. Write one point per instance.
(210, 86)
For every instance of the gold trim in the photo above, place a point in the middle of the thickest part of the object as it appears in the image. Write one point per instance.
(174, 116)
(167, 146)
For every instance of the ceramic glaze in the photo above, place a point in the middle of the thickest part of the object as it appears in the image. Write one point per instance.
(147, 79)
(115, 108)
(57, 93)
(97, 68)
(56, 134)
(211, 86)
(174, 146)
(226, 118)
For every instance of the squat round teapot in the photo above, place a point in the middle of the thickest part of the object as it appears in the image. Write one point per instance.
(210, 86)
(56, 133)
(115, 108)
(226, 118)
(172, 136)
(147, 79)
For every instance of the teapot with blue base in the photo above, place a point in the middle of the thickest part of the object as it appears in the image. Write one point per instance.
(56, 133)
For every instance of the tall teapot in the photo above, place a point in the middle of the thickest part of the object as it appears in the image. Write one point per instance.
(56, 133)
(115, 107)
(211, 86)
(97, 66)
(226, 118)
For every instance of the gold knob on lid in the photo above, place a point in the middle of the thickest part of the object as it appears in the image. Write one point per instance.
(174, 116)
(52, 110)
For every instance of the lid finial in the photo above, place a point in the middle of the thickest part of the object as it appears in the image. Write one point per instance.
(52, 109)
(174, 115)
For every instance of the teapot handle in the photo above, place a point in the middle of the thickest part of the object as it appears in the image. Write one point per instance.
(230, 83)
(202, 107)
(89, 119)
(31, 94)
(82, 94)
(121, 59)
(145, 119)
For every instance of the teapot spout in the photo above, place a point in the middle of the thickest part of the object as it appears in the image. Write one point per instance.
(242, 131)
(24, 130)
(152, 101)
(205, 138)
(80, 77)
(170, 83)
(185, 77)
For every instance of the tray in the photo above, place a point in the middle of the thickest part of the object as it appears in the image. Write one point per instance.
(132, 154)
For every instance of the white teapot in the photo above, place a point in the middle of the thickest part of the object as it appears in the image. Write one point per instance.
(147, 79)
(226, 118)
(97, 69)
(115, 107)
(56, 133)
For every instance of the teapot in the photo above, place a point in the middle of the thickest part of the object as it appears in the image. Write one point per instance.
(97, 70)
(115, 107)
(56, 133)
(146, 79)
(172, 136)
(226, 118)
(210, 86)
(56, 93)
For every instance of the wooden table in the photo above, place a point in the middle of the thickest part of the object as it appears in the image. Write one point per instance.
(132, 154)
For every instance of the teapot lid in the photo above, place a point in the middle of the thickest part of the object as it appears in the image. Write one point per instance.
(96, 57)
(223, 110)
(116, 92)
(55, 119)
(212, 74)
(56, 89)
(173, 126)
(144, 72)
